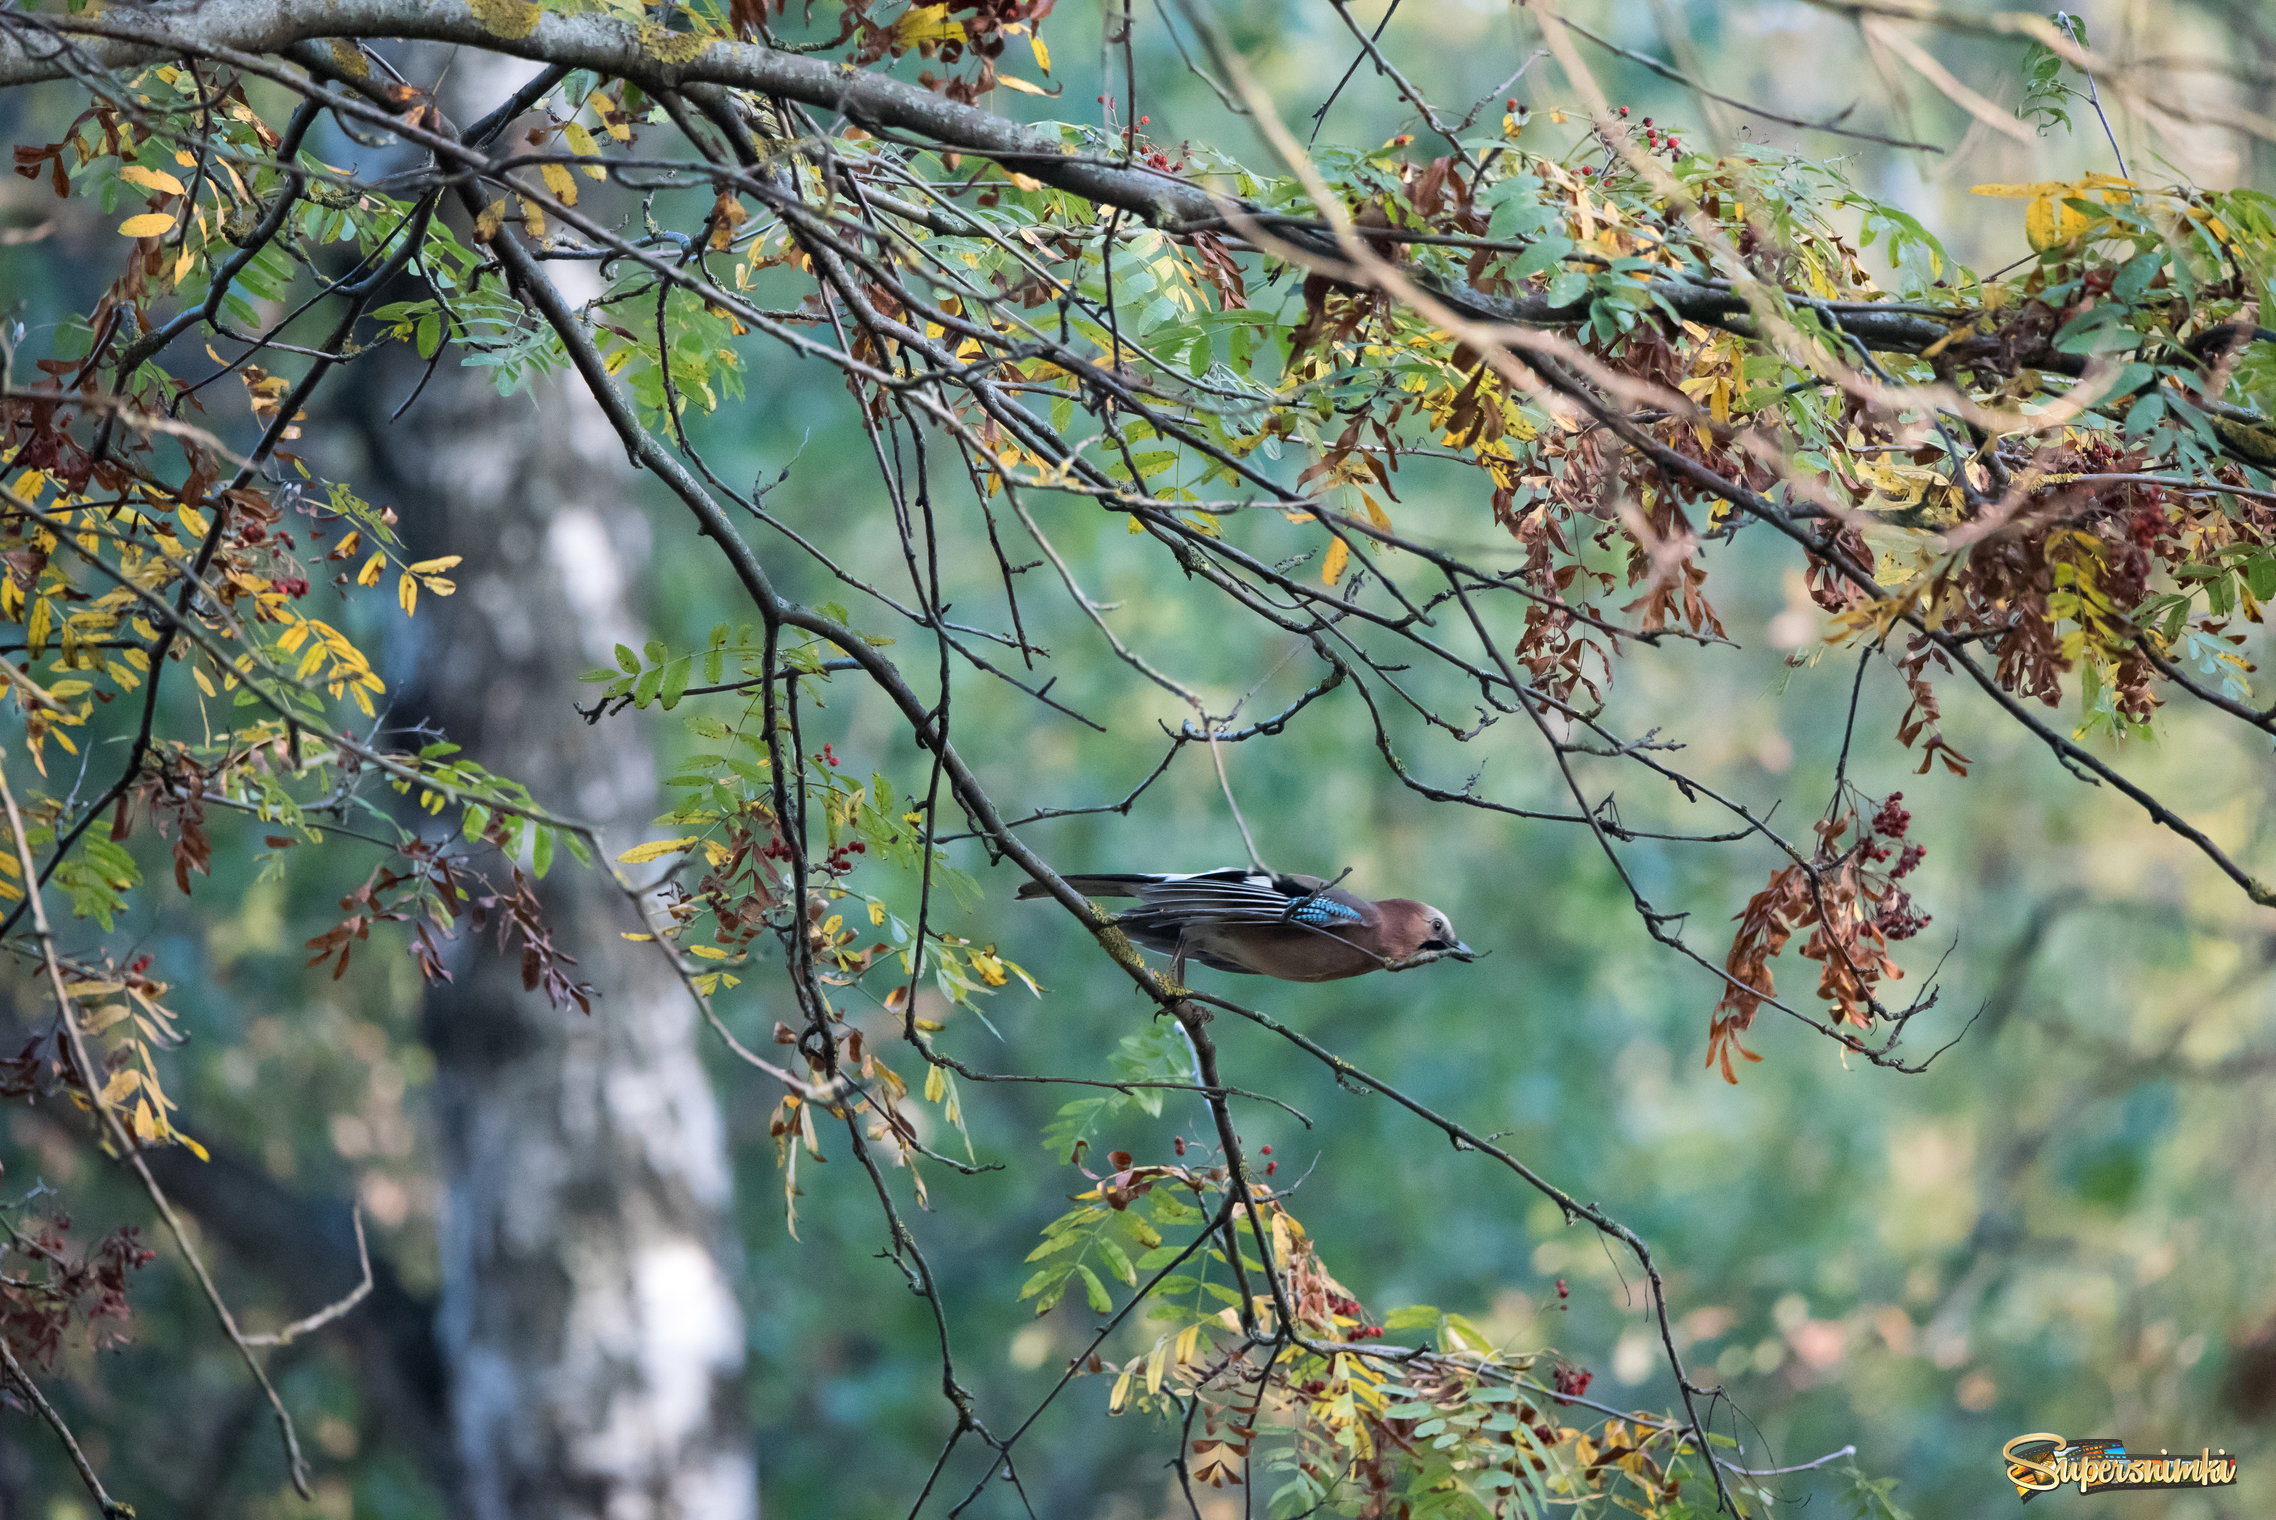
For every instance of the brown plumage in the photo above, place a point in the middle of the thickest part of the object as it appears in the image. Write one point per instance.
(1296, 928)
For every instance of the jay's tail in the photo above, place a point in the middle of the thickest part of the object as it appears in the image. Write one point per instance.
(1122, 884)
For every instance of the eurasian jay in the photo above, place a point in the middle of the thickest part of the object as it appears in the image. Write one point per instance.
(1297, 928)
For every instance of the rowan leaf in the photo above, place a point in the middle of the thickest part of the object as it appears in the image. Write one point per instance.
(654, 849)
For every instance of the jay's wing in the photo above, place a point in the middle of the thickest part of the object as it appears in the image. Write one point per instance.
(1229, 896)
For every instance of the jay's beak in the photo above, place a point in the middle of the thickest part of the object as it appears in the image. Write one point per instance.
(1462, 952)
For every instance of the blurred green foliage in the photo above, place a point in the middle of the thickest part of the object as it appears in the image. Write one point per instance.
(2064, 1224)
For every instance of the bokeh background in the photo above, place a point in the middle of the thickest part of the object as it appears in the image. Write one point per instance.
(2067, 1223)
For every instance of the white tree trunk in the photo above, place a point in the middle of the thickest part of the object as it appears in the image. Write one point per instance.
(588, 1313)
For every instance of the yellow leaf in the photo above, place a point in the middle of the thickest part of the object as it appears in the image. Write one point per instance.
(581, 141)
(492, 218)
(533, 217)
(709, 953)
(434, 566)
(717, 853)
(1024, 86)
(149, 224)
(928, 23)
(654, 849)
(151, 179)
(2049, 220)
(369, 574)
(204, 684)
(610, 116)
(559, 181)
(1042, 54)
(1022, 181)
(936, 1083)
(1339, 554)
(639, 939)
(407, 593)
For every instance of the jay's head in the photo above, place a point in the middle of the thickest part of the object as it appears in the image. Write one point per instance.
(1413, 928)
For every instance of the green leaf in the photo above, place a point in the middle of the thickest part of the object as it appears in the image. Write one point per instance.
(1117, 1261)
(1567, 287)
(1547, 255)
(2260, 575)
(1095, 1291)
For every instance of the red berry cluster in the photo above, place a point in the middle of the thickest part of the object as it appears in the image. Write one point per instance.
(1660, 141)
(840, 860)
(829, 754)
(1896, 918)
(1349, 1307)
(1572, 1381)
(290, 585)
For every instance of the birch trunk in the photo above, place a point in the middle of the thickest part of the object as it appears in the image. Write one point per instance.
(588, 1316)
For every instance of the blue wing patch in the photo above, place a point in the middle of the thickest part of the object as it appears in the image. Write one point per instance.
(1323, 912)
